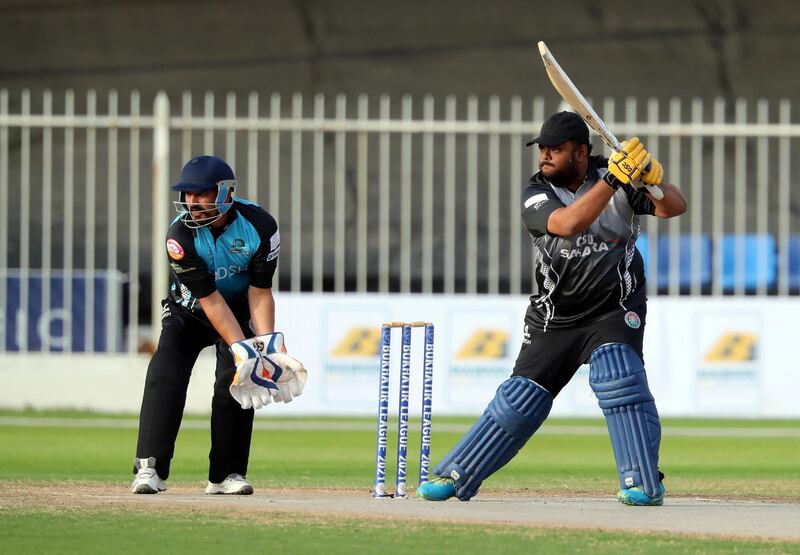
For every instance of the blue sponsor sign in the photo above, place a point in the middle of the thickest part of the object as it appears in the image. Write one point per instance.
(82, 315)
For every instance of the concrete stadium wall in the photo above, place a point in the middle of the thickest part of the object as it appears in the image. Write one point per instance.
(617, 48)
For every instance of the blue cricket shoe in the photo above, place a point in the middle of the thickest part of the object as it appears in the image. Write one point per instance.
(438, 489)
(635, 496)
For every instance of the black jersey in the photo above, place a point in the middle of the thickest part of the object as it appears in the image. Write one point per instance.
(583, 277)
(245, 253)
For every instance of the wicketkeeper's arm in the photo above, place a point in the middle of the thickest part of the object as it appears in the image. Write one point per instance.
(219, 314)
(262, 309)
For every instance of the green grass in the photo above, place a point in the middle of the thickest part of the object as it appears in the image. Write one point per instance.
(760, 467)
(750, 467)
(109, 532)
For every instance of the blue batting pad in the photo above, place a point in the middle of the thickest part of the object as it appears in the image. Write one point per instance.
(516, 412)
(617, 377)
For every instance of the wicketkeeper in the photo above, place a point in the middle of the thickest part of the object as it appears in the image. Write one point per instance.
(589, 306)
(222, 252)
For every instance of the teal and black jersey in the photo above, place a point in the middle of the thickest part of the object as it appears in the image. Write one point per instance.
(202, 261)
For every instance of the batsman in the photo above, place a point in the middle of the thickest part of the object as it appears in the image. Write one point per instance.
(589, 305)
(222, 253)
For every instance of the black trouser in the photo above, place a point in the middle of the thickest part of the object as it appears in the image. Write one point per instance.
(551, 358)
(183, 336)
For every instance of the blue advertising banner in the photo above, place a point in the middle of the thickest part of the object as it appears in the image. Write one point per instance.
(83, 313)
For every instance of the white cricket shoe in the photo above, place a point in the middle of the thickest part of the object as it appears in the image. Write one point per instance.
(234, 484)
(148, 481)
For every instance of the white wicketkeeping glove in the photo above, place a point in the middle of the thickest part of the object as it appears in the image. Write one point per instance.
(253, 386)
(265, 373)
(288, 373)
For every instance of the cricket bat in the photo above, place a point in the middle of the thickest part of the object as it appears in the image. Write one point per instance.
(572, 96)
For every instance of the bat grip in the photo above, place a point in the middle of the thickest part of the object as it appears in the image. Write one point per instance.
(656, 191)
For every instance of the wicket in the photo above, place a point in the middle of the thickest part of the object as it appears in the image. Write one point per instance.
(402, 420)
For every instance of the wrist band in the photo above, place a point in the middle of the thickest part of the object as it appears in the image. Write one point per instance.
(612, 180)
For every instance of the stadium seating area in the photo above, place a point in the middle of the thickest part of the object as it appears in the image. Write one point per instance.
(750, 260)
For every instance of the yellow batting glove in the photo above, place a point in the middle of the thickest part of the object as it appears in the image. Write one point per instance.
(654, 174)
(627, 165)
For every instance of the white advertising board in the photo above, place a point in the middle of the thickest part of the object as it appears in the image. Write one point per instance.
(704, 357)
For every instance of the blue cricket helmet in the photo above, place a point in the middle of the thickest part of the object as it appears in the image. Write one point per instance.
(204, 173)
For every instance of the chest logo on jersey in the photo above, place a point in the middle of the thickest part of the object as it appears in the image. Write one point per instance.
(225, 272)
(586, 245)
(175, 250)
(238, 246)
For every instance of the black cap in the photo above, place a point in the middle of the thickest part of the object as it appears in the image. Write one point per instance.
(560, 128)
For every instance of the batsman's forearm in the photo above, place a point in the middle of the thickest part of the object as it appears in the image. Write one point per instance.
(578, 216)
(219, 314)
(262, 309)
(673, 204)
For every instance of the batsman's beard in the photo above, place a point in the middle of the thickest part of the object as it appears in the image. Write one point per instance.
(564, 177)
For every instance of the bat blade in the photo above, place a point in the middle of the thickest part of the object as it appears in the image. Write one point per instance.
(572, 96)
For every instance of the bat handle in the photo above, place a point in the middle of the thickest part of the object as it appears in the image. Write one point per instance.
(655, 191)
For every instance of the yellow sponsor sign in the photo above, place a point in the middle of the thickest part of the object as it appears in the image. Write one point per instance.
(733, 347)
(485, 344)
(360, 341)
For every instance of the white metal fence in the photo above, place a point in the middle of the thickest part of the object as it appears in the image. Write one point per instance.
(372, 194)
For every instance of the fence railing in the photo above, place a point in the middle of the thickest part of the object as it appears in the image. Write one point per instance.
(371, 194)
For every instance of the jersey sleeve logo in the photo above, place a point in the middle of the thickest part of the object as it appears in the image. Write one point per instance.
(174, 249)
(178, 269)
(536, 201)
(274, 246)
